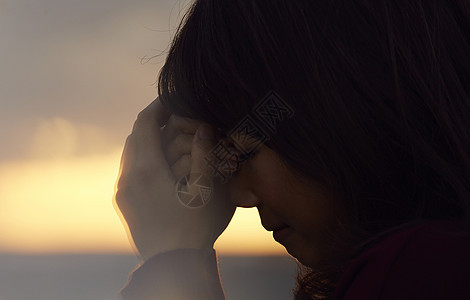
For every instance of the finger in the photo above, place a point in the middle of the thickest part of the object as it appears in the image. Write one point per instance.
(146, 135)
(180, 146)
(182, 166)
(154, 115)
(200, 170)
(201, 147)
(127, 158)
(163, 114)
(179, 125)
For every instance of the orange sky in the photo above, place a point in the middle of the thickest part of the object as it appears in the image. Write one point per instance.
(66, 108)
(57, 201)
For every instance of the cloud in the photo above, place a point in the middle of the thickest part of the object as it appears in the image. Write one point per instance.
(60, 204)
(71, 85)
(58, 137)
(79, 60)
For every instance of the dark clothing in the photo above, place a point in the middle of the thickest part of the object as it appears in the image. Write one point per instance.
(430, 260)
(426, 261)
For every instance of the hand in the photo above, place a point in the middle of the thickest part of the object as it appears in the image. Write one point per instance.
(146, 188)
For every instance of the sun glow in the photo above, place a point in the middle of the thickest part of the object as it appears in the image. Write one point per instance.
(60, 201)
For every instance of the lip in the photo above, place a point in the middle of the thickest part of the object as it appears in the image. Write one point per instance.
(281, 234)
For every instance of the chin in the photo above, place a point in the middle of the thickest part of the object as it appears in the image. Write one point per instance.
(308, 262)
(306, 256)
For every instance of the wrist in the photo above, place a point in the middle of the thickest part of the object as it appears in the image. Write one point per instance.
(147, 254)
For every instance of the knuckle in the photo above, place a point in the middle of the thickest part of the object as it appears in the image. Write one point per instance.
(129, 139)
(142, 115)
(122, 187)
(142, 118)
(121, 197)
(127, 202)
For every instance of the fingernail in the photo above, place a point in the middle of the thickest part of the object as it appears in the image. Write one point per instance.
(204, 132)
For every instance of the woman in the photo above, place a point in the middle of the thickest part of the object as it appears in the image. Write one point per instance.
(366, 184)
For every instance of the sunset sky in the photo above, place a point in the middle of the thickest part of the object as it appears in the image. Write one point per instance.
(71, 85)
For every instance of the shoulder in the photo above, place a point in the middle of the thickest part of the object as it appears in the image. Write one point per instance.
(429, 260)
(434, 263)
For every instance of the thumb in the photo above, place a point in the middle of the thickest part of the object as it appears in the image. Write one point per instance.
(200, 183)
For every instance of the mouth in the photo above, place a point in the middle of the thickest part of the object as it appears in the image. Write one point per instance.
(275, 228)
(280, 234)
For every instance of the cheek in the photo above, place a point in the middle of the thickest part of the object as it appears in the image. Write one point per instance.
(271, 185)
(272, 196)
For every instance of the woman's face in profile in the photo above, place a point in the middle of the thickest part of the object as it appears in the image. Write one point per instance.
(298, 212)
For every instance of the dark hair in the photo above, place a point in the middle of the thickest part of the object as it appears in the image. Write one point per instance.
(380, 90)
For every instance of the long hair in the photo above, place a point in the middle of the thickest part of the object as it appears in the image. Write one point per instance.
(380, 91)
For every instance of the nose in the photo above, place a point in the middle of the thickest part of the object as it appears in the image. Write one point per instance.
(243, 198)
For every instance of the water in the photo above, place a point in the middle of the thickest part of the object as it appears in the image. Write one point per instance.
(99, 277)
